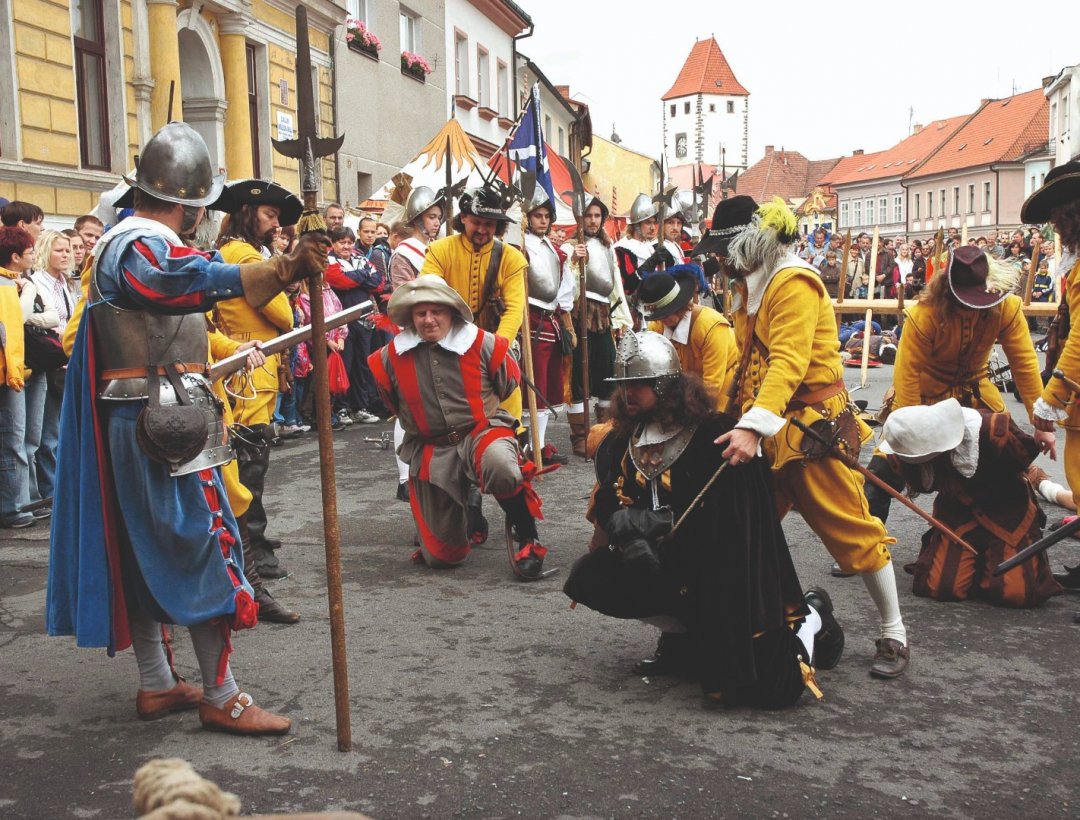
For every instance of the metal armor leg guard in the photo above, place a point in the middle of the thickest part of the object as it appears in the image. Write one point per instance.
(877, 499)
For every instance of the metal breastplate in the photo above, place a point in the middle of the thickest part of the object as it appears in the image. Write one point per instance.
(653, 460)
(545, 274)
(600, 270)
(136, 339)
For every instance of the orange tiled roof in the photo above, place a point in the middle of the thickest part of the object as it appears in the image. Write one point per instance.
(899, 160)
(786, 174)
(1000, 131)
(706, 71)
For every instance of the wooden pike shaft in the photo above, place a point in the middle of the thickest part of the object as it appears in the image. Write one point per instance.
(1032, 271)
(866, 348)
(853, 462)
(331, 530)
(583, 332)
(527, 363)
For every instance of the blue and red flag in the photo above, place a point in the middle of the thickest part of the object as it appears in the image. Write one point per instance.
(528, 149)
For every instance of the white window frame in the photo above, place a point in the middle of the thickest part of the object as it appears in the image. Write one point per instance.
(845, 215)
(483, 76)
(358, 10)
(409, 30)
(883, 210)
(731, 106)
(868, 212)
(898, 208)
(502, 87)
(918, 210)
(987, 188)
(857, 211)
(461, 63)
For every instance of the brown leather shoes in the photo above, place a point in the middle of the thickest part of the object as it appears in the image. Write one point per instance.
(890, 660)
(240, 716)
(270, 609)
(154, 705)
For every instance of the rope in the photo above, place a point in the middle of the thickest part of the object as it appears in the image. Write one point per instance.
(169, 789)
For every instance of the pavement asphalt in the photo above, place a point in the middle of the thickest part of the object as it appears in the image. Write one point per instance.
(474, 695)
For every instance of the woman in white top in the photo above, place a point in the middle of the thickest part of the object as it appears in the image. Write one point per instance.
(49, 305)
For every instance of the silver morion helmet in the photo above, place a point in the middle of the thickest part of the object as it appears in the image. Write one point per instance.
(647, 356)
(642, 209)
(174, 166)
(420, 199)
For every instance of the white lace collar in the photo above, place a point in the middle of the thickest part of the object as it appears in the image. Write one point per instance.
(458, 340)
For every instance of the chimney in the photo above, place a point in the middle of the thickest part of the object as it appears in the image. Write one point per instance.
(769, 149)
(916, 128)
(858, 152)
(984, 101)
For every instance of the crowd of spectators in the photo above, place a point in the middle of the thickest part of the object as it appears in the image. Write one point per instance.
(40, 288)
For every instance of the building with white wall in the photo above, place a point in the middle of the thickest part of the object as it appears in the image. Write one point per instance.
(1063, 95)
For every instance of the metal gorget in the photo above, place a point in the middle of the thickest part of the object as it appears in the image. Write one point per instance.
(653, 459)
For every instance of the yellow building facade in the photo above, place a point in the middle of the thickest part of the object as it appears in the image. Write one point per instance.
(89, 81)
(617, 174)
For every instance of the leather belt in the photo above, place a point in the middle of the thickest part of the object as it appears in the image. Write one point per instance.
(805, 398)
(142, 372)
(453, 437)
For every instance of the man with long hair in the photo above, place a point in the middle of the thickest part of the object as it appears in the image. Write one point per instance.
(720, 584)
(790, 368)
(607, 315)
(255, 210)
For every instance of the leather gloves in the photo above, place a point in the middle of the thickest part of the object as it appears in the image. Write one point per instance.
(634, 532)
(567, 323)
(661, 254)
(263, 281)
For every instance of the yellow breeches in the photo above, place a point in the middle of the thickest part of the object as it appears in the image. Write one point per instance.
(259, 392)
(1072, 460)
(239, 495)
(830, 498)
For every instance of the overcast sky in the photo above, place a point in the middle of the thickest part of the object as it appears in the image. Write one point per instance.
(824, 83)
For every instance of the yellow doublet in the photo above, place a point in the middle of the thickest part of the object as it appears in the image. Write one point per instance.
(946, 357)
(238, 320)
(710, 351)
(221, 346)
(13, 372)
(796, 326)
(465, 270)
(1058, 395)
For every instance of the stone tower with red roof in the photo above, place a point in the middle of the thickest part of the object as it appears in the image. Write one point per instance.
(705, 110)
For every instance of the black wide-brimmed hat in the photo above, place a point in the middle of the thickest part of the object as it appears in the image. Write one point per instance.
(666, 292)
(730, 217)
(260, 192)
(1062, 185)
(968, 273)
(487, 202)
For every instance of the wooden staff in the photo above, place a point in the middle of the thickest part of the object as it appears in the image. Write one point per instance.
(963, 234)
(1032, 271)
(871, 273)
(866, 348)
(526, 350)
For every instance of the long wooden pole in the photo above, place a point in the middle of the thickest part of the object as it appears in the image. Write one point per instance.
(867, 330)
(583, 328)
(331, 530)
(526, 355)
(1032, 271)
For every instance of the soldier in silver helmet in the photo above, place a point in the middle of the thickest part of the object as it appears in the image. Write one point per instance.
(642, 250)
(424, 215)
(144, 533)
(607, 315)
(550, 288)
(688, 547)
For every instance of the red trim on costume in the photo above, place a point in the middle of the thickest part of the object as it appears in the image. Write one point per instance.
(484, 440)
(182, 251)
(246, 611)
(144, 250)
(226, 652)
(191, 300)
(425, 462)
(337, 279)
(498, 354)
(382, 379)
(409, 387)
(121, 628)
(439, 549)
(471, 377)
(533, 549)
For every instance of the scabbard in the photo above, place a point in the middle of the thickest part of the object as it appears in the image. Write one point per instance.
(1034, 549)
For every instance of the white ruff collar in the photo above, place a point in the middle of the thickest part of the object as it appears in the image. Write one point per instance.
(758, 282)
(458, 340)
(681, 332)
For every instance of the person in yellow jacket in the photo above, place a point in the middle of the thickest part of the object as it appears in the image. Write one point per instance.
(790, 368)
(16, 255)
(256, 209)
(495, 295)
(702, 337)
(944, 352)
(1058, 202)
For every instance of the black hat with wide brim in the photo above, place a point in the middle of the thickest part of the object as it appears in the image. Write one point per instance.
(666, 292)
(1061, 186)
(967, 272)
(260, 192)
(730, 218)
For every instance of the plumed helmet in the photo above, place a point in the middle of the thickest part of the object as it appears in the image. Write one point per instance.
(642, 209)
(420, 199)
(175, 167)
(540, 200)
(647, 356)
(485, 203)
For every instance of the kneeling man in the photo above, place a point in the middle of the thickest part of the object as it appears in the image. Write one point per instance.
(444, 378)
(719, 583)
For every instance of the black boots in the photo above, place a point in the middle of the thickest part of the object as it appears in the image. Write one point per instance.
(269, 608)
(673, 656)
(529, 559)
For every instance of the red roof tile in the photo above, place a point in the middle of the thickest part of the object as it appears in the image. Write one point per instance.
(898, 160)
(999, 131)
(706, 71)
(786, 174)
